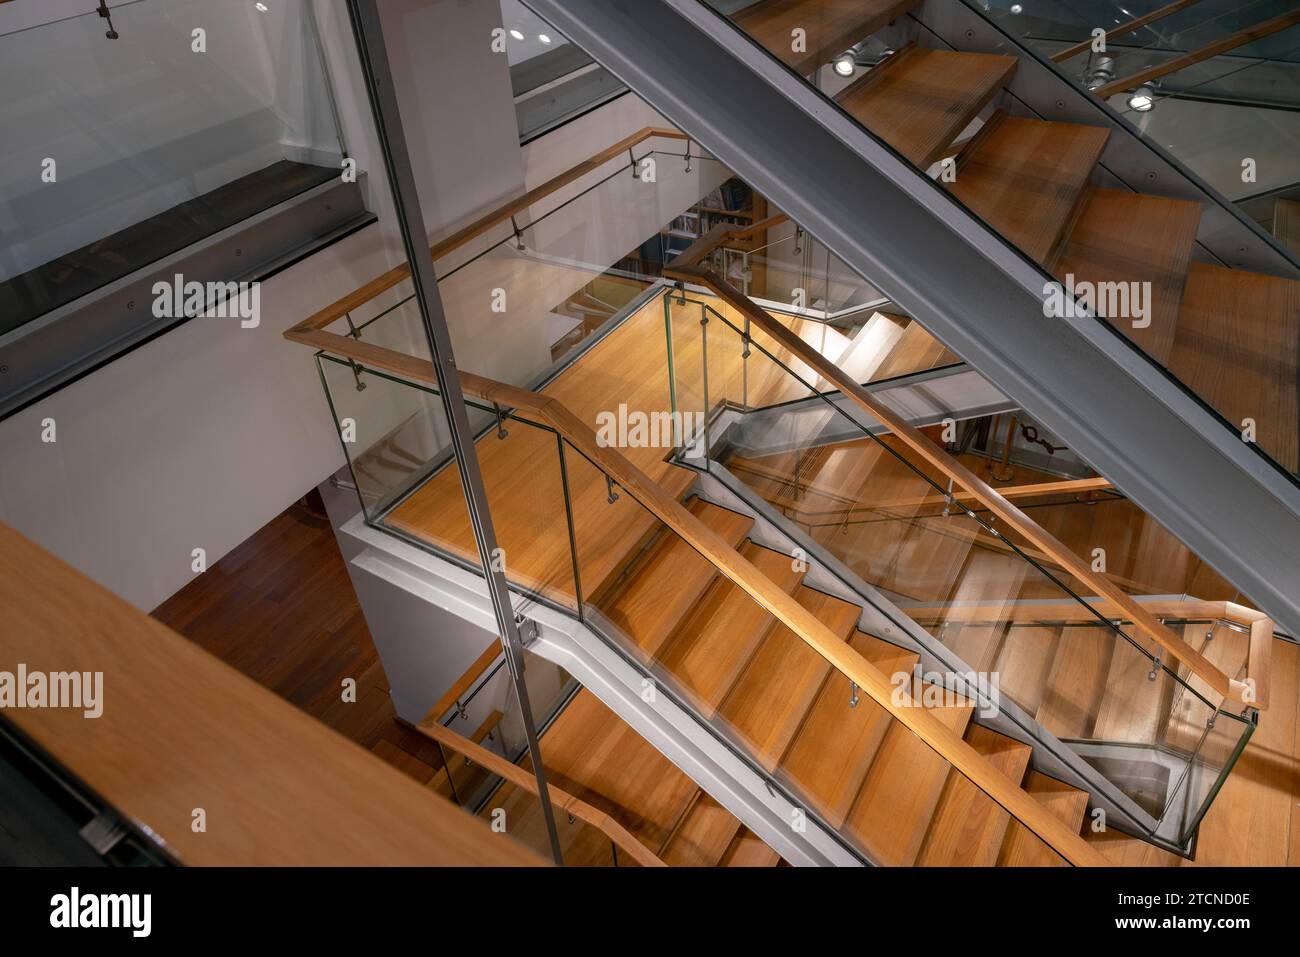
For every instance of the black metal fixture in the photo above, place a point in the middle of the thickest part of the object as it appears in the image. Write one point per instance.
(107, 14)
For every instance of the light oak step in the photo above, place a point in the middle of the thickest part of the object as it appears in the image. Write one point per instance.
(717, 639)
(665, 582)
(1076, 681)
(830, 26)
(968, 826)
(1236, 348)
(919, 100)
(916, 351)
(903, 786)
(1024, 177)
(592, 754)
(1133, 707)
(829, 757)
(1124, 237)
(1286, 224)
(1021, 847)
(704, 837)
(779, 684)
(747, 850)
(1024, 663)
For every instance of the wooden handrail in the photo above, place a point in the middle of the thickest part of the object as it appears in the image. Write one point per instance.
(1222, 45)
(1135, 24)
(181, 729)
(743, 573)
(850, 506)
(1003, 510)
(449, 700)
(1254, 690)
(561, 799)
(472, 230)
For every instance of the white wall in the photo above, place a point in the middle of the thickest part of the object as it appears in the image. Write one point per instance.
(205, 434)
(142, 123)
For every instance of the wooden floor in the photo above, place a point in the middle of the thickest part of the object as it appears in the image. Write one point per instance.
(280, 608)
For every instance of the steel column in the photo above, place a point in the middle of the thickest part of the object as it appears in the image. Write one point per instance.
(366, 28)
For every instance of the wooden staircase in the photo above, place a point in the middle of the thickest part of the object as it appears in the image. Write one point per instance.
(856, 766)
(1231, 336)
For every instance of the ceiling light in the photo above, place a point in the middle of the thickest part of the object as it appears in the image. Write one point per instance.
(845, 64)
(516, 34)
(261, 7)
(1142, 99)
(544, 38)
(1017, 8)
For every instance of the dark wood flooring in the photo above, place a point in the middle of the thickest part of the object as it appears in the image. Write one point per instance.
(280, 608)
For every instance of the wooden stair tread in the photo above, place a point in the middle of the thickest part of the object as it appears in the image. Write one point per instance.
(1286, 224)
(1024, 178)
(1120, 236)
(834, 748)
(898, 798)
(922, 99)
(707, 653)
(747, 850)
(916, 351)
(1132, 706)
(591, 753)
(968, 826)
(780, 682)
(1076, 681)
(832, 26)
(977, 645)
(1025, 662)
(1021, 847)
(704, 837)
(1236, 346)
(665, 582)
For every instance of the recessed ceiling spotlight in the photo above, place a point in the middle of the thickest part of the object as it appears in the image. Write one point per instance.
(261, 7)
(1017, 8)
(1142, 99)
(516, 34)
(544, 38)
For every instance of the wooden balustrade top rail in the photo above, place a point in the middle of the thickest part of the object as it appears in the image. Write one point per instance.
(1137, 23)
(180, 730)
(692, 266)
(562, 800)
(740, 571)
(1253, 690)
(479, 226)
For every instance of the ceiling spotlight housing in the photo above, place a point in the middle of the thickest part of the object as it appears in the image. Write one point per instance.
(846, 64)
(1142, 99)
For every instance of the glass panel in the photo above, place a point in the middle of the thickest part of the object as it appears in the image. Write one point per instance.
(142, 140)
(837, 756)
(1041, 189)
(519, 309)
(1010, 617)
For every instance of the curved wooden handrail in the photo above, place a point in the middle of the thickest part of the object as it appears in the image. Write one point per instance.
(472, 230)
(693, 270)
(1253, 690)
(1136, 23)
(743, 573)
(561, 799)
(449, 700)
